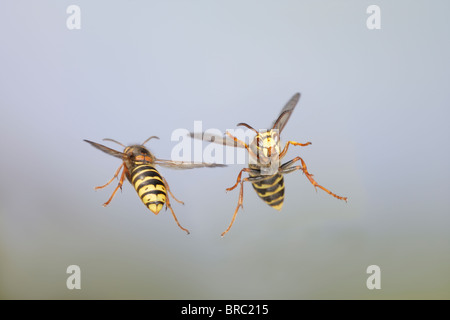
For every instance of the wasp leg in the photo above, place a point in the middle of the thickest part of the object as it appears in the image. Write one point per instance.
(287, 168)
(118, 186)
(239, 178)
(241, 195)
(115, 176)
(168, 189)
(243, 144)
(170, 207)
(294, 143)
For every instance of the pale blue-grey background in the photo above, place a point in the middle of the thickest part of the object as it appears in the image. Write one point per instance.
(375, 104)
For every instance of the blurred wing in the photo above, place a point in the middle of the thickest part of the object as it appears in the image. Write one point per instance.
(223, 140)
(186, 164)
(286, 112)
(107, 150)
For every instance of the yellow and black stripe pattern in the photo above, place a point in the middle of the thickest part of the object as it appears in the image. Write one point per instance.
(270, 190)
(150, 186)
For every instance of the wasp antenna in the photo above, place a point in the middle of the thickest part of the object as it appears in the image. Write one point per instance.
(108, 139)
(149, 139)
(247, 126)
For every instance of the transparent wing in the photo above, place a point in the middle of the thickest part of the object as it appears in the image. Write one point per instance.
(186, 164)
(107, 150)
(285, 113)
(223, 140)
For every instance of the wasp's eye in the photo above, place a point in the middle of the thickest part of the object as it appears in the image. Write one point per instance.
(275, 137)
(260, 142)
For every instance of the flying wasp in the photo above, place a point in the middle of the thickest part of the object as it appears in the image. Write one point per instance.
(139, 167)
(265, 170)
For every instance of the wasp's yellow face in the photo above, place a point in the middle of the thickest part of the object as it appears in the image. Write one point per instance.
(269, 143)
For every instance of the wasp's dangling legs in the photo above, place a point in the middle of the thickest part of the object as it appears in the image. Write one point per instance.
(168, 189)
(122, 177)
(238, 180)
(287, 168)
(241, 194)
(115, 176)
(170, 207)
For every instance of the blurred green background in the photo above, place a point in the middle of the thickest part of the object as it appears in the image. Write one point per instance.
(375, 105)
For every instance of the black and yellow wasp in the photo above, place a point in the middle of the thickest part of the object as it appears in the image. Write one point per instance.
(265, 171)
(139, 167)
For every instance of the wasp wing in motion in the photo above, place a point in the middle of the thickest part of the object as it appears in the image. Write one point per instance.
(107, 150)
(286, 112)
(214, 138)
(186, 164)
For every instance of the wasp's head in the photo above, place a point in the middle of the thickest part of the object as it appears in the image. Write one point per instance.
(139, 153)
(268, 144)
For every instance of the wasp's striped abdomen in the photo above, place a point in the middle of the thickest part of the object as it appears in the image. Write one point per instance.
(271, 190)
(150, 186)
